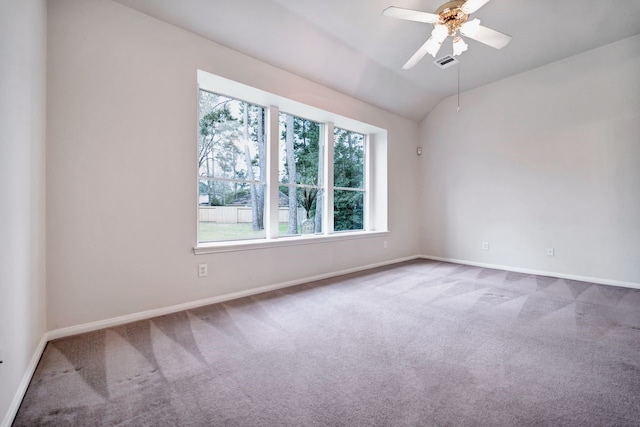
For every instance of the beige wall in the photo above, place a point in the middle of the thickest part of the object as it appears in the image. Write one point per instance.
(546, 158)
(122, 118)
(22, 194)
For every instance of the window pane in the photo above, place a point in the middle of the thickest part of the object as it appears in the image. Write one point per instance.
(231, 149)
(290, 215)
(300, 153)
(348, 210)
(348, 159)
(310, 210)
(300, 166)
(307, 214)
(231, 139)
(230, 211)
(348, 172)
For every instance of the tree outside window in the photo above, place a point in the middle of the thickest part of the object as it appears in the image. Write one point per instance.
(348, 180)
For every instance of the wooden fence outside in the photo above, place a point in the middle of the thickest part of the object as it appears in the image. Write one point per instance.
(237, 214)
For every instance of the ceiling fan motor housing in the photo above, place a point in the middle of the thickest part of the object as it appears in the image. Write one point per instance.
(452, 16)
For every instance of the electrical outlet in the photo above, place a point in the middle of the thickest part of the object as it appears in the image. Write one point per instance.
(485, 246)
(385, 245)
(550, 252)
(202, 270)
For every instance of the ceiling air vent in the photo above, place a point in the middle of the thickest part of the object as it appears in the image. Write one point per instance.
(446, 61)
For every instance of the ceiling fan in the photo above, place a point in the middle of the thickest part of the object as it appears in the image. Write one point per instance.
(449, 19)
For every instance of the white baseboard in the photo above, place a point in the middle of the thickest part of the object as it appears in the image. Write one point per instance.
(148, 314)
(24, 384)
(597, 280)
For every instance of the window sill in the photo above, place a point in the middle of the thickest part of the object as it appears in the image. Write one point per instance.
(246, 245)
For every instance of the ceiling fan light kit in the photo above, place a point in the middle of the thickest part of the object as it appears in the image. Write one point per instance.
(459, 46)
(450, 20)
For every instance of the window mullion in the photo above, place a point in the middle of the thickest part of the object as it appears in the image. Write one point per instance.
(272, 208)
(327, 225)
(361, 190)
(368, 184)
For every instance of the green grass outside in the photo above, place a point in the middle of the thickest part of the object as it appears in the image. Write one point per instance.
(211, 231)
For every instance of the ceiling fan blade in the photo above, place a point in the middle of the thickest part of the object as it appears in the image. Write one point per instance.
(420, 53)
(411, 15)
(490, 37)
(472, 5)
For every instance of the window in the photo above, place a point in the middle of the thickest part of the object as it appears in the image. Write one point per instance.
(231, 157)
(300, 174)
(274, 170)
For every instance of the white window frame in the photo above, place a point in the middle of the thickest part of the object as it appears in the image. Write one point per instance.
(375, 209)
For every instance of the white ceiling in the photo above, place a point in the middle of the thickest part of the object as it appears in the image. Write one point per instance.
(349, 46)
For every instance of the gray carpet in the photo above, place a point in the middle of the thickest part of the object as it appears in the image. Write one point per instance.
(418, 343)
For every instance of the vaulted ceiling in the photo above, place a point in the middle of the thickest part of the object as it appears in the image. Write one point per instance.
(349, 46)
